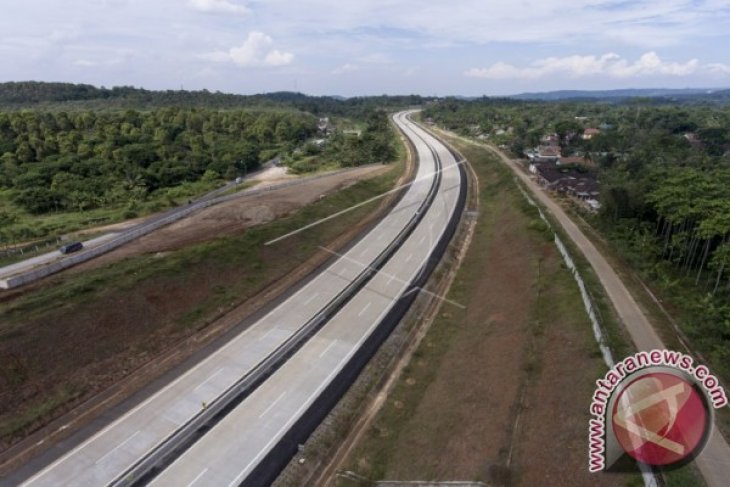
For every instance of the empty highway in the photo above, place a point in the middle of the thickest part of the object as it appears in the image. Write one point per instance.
(112, 455)
(242, 447)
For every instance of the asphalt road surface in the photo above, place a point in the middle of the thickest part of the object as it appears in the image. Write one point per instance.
(103, 457)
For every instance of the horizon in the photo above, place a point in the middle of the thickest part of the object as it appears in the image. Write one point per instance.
(469, 47)
(702, 89)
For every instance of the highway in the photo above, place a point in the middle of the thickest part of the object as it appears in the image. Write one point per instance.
(143, 436)
(246, 444)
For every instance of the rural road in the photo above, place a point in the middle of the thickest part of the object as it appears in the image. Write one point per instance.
(714, 461)
(236, 445)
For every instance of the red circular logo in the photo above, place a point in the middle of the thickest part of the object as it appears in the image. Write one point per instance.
(660, 418)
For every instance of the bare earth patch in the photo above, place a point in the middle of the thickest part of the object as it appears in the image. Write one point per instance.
(233, 217)
(498, 392)
(92, 354)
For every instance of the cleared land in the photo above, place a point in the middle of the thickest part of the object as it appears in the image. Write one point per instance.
(498, 392)
(234, 217)
(124, 322)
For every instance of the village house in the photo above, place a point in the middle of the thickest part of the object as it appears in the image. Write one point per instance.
(576, 160)
(589, 133)
(550, 140)
(549, 153)
(581, 186)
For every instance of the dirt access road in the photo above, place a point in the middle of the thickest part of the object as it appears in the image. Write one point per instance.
(232, 217)
(714, 462)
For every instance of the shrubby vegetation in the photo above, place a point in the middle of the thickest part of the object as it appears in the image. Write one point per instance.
(665, 173)
(374, 143)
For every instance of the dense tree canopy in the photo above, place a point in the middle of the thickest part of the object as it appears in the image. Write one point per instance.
(82, 160)
(665, 177)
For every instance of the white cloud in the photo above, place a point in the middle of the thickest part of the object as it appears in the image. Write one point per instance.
(219, 6)
(611, 65)
(85, 63)
(346, 68)
(255, 51)
(278, 58)
(649, 23)
(719, 68)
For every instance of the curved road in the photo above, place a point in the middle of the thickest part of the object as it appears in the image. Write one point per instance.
(235, 451)
(104, 458)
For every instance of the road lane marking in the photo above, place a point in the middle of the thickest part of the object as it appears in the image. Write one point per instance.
(408, 259)
(116, 448)
(272, 405)
(332, 344)
(198, 477)
(364, 309)
(425, 177)
(265, 335)
(301, 408)
(311, 298)
(208, 379)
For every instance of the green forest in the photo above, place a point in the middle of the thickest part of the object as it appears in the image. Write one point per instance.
(80, 161)
(665, 189)
(64, 166)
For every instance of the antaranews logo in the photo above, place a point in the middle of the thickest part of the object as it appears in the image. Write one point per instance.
(655, 406)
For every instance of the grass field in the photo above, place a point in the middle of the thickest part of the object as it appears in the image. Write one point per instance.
(498, 392)
(78, 333)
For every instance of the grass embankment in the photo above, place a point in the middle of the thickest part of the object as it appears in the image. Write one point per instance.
(493, 385)
(76, 334)
(47, 227)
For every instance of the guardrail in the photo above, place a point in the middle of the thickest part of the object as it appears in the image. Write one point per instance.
(143, 229)
(165, 452)
(279, 456)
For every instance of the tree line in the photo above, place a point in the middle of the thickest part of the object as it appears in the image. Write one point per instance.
(665, 188)
(53, 161)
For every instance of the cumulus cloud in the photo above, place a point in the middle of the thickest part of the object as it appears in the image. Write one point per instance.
(611, 65)
(255, 51)
(218, 6)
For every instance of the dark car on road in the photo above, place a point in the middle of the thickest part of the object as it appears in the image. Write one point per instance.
(72, 247)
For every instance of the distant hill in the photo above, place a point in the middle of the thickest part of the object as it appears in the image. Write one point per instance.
(613, 95)
(42, 95)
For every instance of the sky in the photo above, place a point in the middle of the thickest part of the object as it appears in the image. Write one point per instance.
(369, 47)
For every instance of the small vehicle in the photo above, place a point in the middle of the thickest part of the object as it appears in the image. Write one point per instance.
(72, 247)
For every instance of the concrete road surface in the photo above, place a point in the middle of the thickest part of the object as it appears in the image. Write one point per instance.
(101, 458)
(230, 452)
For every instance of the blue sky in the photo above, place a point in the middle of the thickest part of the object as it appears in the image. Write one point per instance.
(366, 47)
